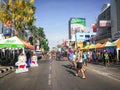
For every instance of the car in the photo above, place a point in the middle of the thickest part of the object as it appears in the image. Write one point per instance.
(39, 54)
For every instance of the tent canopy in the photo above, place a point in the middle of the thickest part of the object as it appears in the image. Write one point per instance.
(108, 44)
(86, 47)
(92, 46)
(15, 42)
(12, 42)
(118, 43)
(98, 45)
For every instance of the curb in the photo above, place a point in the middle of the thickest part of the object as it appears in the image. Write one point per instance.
(5, 71)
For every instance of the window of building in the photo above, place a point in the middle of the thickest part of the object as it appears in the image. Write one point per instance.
(81, 35)
(87, 36)
(92, 35)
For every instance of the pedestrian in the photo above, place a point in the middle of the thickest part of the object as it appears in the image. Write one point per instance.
(80, 64)
(50, 55)
(106, 55)
(74, 60)
(103, 57)
(84, 58)
(65, 55)
(110, 57)
(70, 54)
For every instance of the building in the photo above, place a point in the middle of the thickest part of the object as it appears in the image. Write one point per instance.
(115, 18)
(82, 37)
(104, 24)
(109, 22)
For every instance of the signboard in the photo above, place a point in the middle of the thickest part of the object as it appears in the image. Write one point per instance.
(77, 25)
(94, 27)
(105, 23)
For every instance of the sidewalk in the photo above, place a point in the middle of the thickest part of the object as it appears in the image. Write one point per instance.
(112, 71)
(4, 70)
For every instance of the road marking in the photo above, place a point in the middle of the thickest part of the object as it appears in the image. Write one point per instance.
(49, 76)
(50, 68)
(49, 80)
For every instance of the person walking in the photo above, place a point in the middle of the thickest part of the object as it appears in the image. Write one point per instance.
(74, 60)
(80, 64)
(106, 55)
(84, 58)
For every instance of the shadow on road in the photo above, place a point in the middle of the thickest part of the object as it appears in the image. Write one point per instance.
(69, 69)
(71, 72)
(69, 66)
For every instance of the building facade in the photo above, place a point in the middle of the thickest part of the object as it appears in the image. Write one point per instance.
(81, 37)
(115, 18)
(109, 30)
(104, 24)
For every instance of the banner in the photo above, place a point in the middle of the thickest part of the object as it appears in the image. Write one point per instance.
(104, 23)
(94, 27)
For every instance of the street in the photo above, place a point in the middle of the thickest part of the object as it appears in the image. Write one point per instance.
(56, 75)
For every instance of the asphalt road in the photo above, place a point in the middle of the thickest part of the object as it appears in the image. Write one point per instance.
(56, 75)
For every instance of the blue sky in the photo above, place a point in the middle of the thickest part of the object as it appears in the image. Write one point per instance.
(53, 16)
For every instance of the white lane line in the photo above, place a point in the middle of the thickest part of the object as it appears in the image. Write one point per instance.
(49, 82)
(49, 79)
(50, 68)
(49, 76)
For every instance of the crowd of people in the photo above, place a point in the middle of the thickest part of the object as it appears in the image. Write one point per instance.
(79, 58)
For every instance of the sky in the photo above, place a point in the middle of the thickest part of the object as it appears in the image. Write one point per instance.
(54, 15)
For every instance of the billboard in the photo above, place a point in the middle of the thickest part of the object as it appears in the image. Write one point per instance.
(77, 25)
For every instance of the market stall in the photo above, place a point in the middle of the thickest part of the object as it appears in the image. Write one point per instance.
(97, 46)
(11, 48)
(92, 46)
(118, 49)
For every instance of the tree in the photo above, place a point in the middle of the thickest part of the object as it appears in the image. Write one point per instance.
(20, 13)
(38, 33)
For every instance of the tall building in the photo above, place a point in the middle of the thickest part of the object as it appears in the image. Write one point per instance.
(109, 22)
(78, 33)
(104, 24)
(115, 18)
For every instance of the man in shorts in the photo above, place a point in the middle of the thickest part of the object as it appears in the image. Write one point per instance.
(80, 63)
